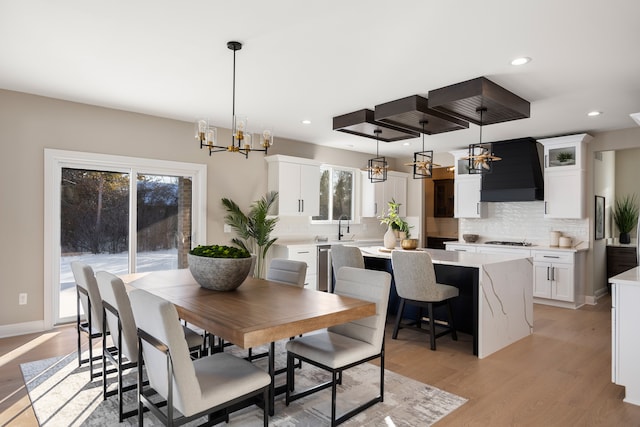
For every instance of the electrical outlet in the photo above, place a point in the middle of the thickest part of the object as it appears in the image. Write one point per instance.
(22, 299)
(227, 228)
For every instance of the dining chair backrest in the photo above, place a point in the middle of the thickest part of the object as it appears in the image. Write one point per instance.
(345, 256)
(414, 275)
(159, 318)
(85, 278)
(368, 285)
(114, 293)
(287, 271)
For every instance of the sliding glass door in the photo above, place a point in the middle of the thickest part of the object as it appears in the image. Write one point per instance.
(121, 220)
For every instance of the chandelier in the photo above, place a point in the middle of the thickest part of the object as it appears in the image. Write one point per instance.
(242, 140)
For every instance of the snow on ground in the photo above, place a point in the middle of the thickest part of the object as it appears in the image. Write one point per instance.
(113, 263)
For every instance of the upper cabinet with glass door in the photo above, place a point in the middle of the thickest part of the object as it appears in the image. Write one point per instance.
(565, 152)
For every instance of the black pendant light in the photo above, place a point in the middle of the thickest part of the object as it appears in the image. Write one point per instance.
(377, 167)
(480, 155)
(422, 160)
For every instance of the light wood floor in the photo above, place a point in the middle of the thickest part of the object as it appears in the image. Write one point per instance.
(559, 376)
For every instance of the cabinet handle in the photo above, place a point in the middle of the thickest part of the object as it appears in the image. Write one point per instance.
(375, 208)
(303, 252)
(546, 161)
(548, 277)
(478, 208)
(302, 205)
(553, 274)
(545, 207)
(550, 256)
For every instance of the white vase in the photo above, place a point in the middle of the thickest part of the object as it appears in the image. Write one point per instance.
(390, 238)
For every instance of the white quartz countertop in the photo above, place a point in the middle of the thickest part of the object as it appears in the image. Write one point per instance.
(440, 256)
(582, 246)
(311, 241)
(629, 277)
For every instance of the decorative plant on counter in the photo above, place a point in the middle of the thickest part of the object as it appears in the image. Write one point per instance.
(253, 229)
(393, 219)
(625, 215)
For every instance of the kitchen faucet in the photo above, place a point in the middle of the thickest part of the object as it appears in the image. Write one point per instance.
(343, 216)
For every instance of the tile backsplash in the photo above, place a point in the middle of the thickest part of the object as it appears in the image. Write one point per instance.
(516, 221)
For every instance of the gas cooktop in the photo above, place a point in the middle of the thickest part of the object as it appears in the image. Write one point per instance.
(497, 242)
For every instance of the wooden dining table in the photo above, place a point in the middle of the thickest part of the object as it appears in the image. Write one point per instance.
(258, 312)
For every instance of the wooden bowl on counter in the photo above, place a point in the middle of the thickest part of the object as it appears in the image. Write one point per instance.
(409, 244)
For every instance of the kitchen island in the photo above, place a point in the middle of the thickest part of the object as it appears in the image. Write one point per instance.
(495, 304)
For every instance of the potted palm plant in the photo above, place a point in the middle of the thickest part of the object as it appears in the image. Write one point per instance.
(253, 229)
(625, 215)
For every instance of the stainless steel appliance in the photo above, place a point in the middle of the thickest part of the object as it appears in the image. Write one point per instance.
(324, 268)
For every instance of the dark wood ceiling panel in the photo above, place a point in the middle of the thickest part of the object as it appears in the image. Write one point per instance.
(465, 99)
(411, 111)
(362, 123)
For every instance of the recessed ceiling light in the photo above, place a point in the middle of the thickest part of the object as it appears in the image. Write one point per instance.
(594, 113)
(521, 61)
(405, 143)
(306, 122)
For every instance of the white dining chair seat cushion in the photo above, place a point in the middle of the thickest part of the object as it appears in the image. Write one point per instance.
(223, 377)
(331, 349)
(287, 271)
(194, 382)
(193, 338)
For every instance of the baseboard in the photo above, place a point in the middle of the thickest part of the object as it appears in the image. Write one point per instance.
(21, 328)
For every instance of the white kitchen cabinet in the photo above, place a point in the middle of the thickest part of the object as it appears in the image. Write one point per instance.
(517, 251)
(625, 346)
(466, 199)
(557, 278)
(297, 182)
(375, 196)
(304, 253)
(564, 176)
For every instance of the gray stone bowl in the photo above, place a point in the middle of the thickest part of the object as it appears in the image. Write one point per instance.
(470, 238)
(219, 274)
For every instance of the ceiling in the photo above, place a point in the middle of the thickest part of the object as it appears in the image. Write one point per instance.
(315, 60)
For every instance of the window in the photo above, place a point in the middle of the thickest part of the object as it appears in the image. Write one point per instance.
(336, 194)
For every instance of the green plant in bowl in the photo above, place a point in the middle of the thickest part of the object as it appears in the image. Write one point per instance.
(219, 267)
(564, 156)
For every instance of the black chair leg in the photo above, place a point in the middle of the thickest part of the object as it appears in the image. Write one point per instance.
(398, 319)
(432, 327)
(454, 334)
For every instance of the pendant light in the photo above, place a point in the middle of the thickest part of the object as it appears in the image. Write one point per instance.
(241, 138)
(480, 155)
(377, 166)
(422, 160)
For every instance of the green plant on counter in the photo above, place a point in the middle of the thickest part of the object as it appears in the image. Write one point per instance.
(254, 228)
(219, 251)
(625, 213)
(393, 219)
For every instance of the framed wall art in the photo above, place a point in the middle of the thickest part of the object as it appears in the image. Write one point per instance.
(599, 221)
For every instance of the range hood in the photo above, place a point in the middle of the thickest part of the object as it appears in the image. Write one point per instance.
(518, 176)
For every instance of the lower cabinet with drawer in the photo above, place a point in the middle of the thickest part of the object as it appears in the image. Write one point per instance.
(557, 278)
(305, 253)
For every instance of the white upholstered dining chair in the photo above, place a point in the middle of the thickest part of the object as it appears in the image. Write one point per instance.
(344, 346)
(287, 271)
(206, 386)
(416, 284)
(118, 316)
(345, 256)
(88, 297)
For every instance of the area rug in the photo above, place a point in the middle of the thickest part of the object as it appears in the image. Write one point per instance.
(61, 395)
